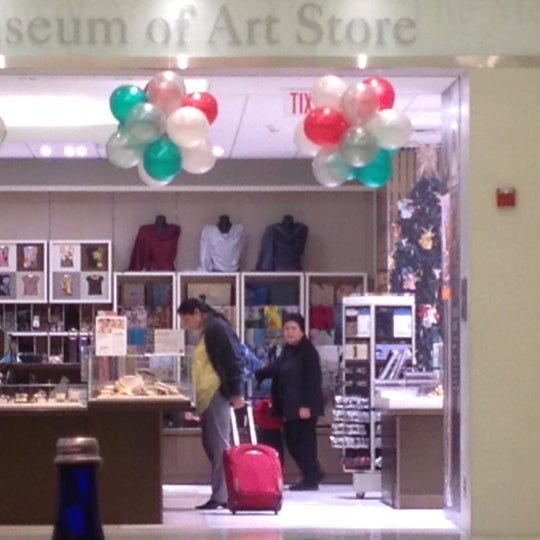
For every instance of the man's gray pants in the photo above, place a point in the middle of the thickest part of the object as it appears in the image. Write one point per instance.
(216, 433)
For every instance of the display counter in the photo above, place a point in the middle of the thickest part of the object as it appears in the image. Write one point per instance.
(129, 436)
(184, 462)
(412, 451)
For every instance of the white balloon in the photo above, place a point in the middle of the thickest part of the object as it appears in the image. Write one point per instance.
(148, 180)
(198, 159)
(329, 168)
(327, 91)
(3, 130)
(391, 128)
(119, 151)
(304, 145)
(187, 126)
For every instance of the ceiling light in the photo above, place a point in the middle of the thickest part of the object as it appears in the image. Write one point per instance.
(45, 150)
(69, 151)
(81, 151)
(361, 61)
(182, 61)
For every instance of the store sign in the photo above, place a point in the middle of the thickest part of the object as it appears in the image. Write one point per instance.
(287, 28)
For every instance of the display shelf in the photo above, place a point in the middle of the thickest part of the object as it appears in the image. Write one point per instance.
(266, 298)
(148, 301)
(378, 344)
(23, 271)
(220, 290)
(55, 332)
(324, 294)
(80, 271)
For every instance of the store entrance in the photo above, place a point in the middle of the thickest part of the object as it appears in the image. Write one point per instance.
(258, 115)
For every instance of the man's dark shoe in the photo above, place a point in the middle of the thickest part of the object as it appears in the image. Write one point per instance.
(211, 505)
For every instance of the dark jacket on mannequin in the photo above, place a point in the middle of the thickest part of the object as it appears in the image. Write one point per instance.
(282, 246)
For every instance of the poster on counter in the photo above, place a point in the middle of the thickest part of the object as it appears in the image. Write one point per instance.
(111, 335)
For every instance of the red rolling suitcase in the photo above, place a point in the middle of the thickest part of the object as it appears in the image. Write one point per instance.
(253, 472)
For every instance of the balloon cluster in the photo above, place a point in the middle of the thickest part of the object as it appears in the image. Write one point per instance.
(352, 131)
(162, 129)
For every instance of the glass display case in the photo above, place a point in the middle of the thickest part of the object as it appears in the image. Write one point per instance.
(150, 377)
(41, 386)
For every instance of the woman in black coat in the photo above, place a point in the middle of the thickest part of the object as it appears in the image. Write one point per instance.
(297, 398)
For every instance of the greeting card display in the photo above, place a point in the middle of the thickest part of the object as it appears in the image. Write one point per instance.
(80, 271)
(23, 271)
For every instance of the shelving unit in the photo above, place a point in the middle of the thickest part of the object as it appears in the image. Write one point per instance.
(378, 343)
(53, 333)
(324, 294)
(148, 300)
(221, 290)
(266, 297)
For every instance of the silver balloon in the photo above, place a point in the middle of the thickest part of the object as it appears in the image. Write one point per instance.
(393, 129)
(329, 168)
(198, 159)
(148, 180)
(358, 147)
(121, 151)
(145, 123)
(327, 91)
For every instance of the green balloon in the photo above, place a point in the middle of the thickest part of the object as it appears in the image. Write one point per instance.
(377, 172)
(124, 98)
(162, 159)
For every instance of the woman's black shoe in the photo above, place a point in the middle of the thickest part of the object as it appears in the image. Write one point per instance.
(304, 486)
(211, 505)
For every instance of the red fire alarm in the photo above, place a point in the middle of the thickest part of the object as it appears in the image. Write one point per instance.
(506, 197)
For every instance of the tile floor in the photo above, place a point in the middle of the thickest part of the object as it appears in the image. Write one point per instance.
(331, 513)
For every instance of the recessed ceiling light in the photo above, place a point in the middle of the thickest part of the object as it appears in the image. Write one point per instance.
(69, 150)
(81, 151)
(45, 150)
(218, 151)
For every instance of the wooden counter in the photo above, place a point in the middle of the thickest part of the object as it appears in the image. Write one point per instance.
(129, 437)
(413, 463)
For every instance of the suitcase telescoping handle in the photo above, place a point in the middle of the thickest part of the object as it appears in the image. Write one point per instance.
(251, 425)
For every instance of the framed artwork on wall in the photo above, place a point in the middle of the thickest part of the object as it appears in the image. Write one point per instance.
(80, 271)
(23, 271)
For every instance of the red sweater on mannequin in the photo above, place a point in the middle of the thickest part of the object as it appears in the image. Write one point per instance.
(155, 247)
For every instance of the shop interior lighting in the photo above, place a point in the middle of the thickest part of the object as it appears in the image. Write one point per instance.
(69, 150)
(362, 61)
(45, 150)
(182, 61)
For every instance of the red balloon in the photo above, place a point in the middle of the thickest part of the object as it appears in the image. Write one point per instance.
(205, 102)
(384, 90)
(325, 126)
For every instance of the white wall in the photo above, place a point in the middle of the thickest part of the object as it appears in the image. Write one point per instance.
(503, 416)
(340, 223)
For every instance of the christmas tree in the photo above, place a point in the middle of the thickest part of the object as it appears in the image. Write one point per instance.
(416, 260)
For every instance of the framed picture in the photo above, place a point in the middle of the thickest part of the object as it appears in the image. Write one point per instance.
(23, 271)
(80, 271)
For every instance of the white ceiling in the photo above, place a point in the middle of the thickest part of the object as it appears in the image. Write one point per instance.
(256, 118)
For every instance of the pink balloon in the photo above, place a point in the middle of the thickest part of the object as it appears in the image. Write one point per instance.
(384, 90)
(167, 91)
(359, 103)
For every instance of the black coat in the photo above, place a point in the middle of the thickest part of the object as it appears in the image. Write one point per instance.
(296, 380)
(219, 341)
